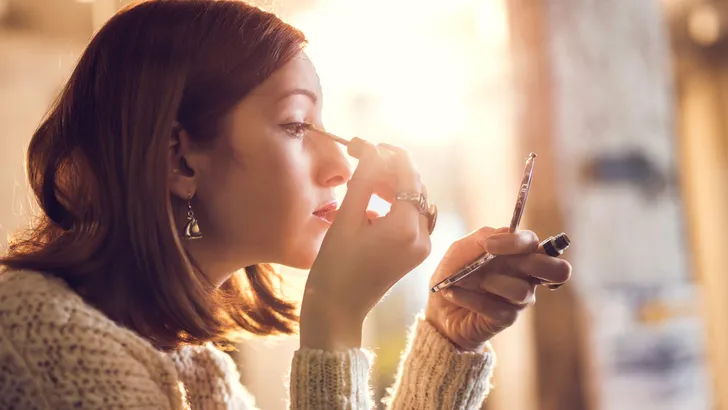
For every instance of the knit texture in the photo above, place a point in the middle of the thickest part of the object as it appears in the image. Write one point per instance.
(435, 375)
(57, 352)
(330, 380)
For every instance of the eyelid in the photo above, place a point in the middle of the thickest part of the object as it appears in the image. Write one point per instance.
(304, 124)
(296, 129)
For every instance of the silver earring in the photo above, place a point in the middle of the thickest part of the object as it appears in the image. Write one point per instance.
(192, 229)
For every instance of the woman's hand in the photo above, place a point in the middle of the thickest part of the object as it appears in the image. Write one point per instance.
(472, 311)
(363, 256)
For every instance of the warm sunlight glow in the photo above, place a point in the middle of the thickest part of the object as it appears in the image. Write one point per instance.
(704, 24)
(412, 66)
(433, 78)
(492, 21)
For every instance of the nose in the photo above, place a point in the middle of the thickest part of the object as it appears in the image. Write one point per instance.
(333, 167)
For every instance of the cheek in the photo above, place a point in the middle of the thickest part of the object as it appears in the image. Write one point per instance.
(282, 172)
(290, 199)
(287, 186)
(263, 193)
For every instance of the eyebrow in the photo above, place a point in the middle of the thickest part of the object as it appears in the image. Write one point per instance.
(299, 91)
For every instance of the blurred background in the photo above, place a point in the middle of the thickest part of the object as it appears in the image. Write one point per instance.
(625, 104)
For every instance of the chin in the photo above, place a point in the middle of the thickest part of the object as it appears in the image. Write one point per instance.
(303, 256)
(302, 250)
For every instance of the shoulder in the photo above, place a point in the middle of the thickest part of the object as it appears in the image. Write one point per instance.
(24, 288)
(32, 300)
(35, 305)
(63, 352)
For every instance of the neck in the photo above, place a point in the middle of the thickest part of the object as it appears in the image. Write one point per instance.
(213, 261)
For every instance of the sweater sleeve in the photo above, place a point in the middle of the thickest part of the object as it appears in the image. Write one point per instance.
(433, 374)
(330, 380)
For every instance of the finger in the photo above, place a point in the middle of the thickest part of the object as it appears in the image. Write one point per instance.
(541, 266)
(498, 313)
(534, 268)
(384, 181)
(502, 280)
(462, 252)
(352, 211)
(520, 242)
(407, 180)
(515, 290)
(385, 186)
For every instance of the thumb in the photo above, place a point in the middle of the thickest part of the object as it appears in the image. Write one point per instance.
(464, 251)
(352, 211)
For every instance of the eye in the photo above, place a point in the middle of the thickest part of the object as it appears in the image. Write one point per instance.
(296, 129)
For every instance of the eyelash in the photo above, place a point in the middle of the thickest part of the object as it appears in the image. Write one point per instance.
(296, 129)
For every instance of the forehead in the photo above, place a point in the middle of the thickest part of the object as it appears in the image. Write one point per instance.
(298, 73)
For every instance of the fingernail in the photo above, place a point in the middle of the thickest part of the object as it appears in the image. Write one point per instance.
(447, 293)
(542, 281)
(554, 286)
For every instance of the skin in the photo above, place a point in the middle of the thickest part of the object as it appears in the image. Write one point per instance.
(482, 305)
(254, 190)
(254, 193)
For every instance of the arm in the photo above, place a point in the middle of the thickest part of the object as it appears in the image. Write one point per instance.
(433, 374)
(330, 370)
(330, 379)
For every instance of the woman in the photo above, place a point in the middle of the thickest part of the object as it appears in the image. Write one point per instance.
(179, 154)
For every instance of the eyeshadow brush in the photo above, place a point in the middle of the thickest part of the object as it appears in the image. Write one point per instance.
(353, 146)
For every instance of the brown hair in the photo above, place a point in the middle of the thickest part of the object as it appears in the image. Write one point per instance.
(98, 167)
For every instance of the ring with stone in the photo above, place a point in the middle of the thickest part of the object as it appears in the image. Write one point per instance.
(424, 207)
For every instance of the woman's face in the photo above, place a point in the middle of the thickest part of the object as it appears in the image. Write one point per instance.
(260, 187)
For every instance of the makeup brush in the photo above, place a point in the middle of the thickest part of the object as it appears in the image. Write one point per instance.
(353, 146)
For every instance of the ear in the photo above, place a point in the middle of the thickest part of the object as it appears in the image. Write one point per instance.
(183, 169)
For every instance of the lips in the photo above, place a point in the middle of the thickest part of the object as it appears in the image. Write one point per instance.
(327, 212)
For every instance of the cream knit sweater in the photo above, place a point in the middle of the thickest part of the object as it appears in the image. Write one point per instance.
(57, 352)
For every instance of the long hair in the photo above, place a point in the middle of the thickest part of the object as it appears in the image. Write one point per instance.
(98, 167)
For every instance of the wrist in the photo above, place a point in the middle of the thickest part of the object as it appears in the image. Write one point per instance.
(460, 343)
(327, 327)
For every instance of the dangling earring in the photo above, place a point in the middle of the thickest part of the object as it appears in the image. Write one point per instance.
(192, 229)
